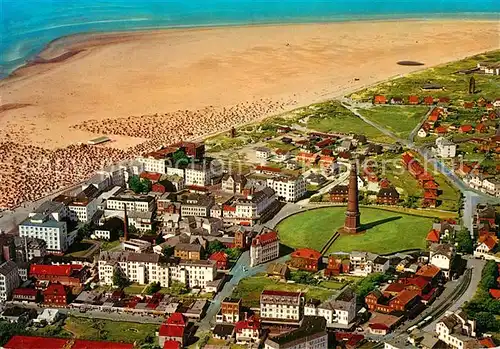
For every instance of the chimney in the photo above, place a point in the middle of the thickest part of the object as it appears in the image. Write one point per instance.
(125, 223)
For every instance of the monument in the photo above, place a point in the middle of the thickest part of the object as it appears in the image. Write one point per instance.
(352, 224)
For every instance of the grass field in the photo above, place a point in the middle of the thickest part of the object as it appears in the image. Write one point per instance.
(333, 117)
(401, 120)
(455, 85)
(94, 329)
(249, 289)
(388, 231)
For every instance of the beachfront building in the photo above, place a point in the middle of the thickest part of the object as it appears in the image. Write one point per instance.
(47, 228)
(83, 206)
(264, 248)
(133, 202)
(288, 188)
(9, 279)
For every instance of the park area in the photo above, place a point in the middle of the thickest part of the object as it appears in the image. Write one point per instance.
(386, 231)
(401, 120)
(106, 330)
(249, 289)
(454, 84)
(333, 117)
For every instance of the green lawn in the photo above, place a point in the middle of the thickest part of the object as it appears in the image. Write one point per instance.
(108, 245)
(249, 289)
(389, 231)
(134, 289)
(333, 117)
(79, 249)
(334, 285)
(96, 329)
(455, 85)
(401, 120)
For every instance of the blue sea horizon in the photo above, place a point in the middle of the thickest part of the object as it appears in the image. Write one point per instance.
(28, 26)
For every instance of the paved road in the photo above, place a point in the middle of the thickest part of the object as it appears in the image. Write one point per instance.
(240, 270)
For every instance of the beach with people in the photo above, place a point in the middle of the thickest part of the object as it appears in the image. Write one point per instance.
(147, 89)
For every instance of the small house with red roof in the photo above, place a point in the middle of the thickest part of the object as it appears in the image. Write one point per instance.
(326, 161)
(171, 344)
(307, 158)
(444, 100)
(152, 176)
(55, 295)
(430, 272)
(465, 129)
(267, 170)
(430, 199)
(305, 259)
(429, 100)
(468, 105)
(248, 330)
(379, 100)
(495, 293)
(337, 264)
(487, 244)
(25, 295)
(481, 128)
(487, 342)
(441, 130)
(221, 260)
(174, 329)
(433, 237)
(413, 99)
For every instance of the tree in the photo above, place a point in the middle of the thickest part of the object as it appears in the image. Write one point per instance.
(168, 251)
(178, 288)
(489, 276)
(410, 202)
(487, 322)
(180, 158)
(152, 288)
(135, 184)
(233, 253)
(464, 241)
(303, 277)
(369, 283)
(8, 330)
(119, 279)
(215, 246)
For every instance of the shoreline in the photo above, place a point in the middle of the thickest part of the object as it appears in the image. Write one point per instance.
(68, 50)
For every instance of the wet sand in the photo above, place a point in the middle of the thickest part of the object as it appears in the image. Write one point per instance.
(144, 89)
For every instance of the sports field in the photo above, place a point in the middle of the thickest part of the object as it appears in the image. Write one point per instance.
(385, 231)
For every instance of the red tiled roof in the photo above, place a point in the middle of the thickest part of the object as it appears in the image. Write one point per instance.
(219, 256)
(431, 185)
(480, 127)
(489, 241)
(265, 238)
(495, 293)
(306, 155)
(429, 100)
(25, 292)
(468, 104)
(172, 331)
(406, 296)
(84, 344)
(268, 169)
(395, 287)
(441, 130)
(172, 345)
(152, 176)
(433, 118)
(413, 99)
(54, 270)
(433, 236)
(380, 99)
(487, 342)
(407, 158)
(418, 281)
(465, 128)
(428, 270)
(176, 319)
(378, 326)
(306, 253)
(252, 323)
(55, 290)
(26, 342)
(430, 195)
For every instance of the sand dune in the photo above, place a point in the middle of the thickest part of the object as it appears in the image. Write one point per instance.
(201, 78)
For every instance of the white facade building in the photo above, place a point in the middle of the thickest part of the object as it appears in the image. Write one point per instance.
(262, 153)
(339, 311)
(48, 229)
(139, 203)
(9, 279)
(288, 188)
(145, 268)
(457, 331)
(442, 256)
(264, 248)
(491, 186)
(310, 335)
(446, 148)
(281, 305)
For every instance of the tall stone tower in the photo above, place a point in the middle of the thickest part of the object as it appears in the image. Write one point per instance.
(352, 224)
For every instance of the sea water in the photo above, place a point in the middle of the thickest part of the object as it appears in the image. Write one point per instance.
(27, 26)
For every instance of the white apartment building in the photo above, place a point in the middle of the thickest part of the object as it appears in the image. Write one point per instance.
(83, 206)
(264, 248)
(233, 183)
(9, 279)
(288, 188)
(445, 148)
(48, 229)
(139, 203)
(281, 305)
(145, 268)
(491, 186)
(442, 256)
(201, 174)
(456, 330)
(262, 153)
(360, 264)
(339, 311)
(310, 335)
(241, 209)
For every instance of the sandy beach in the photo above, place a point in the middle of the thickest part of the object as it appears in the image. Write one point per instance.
(144, 89)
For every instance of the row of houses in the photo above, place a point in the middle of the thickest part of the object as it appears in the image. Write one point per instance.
(425, 179)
